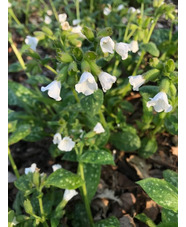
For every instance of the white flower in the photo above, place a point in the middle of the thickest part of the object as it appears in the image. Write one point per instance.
(124, 20)
(134, 46)
(87, 84)
(107, 45)
(76, 21)
(69, 194)
(120, 7)
(14, 222)
(122, 49)
(47, 19)
(56, 166)
(77, 30)
(32, 41)
(106, 80)
(57, 138)
(9, 4)
(106, 11)
(133, 10)
(53, 90)
(98, 128)
(160, 102)
(66, 144)
(49, 12)
(62, 17)
(31, 169)
(65, 26)
(136, 81)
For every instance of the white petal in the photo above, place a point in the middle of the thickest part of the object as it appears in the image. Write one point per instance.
(54, 89)
(32, 41)
(120, 7)
(47, 19)
(136, 81)
(30, 169)
(56, 166)
(122, 49)
(106, 11)
(76, 21)
(87, 84)
(62, 17)
(49, 12)
(106, 80)
(160, 102)
(57, 138)
(134, 46)
(107, 45)
(65, 25)
(69, 194)
(66, 144)
(98, 128)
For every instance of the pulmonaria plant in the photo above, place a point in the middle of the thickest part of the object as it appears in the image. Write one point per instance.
(53, 89)
(160, 103)
(31, 169)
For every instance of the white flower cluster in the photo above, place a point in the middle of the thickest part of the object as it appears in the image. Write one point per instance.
(65, 144)
(108, 46)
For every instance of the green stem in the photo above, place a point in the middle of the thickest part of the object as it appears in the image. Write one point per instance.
(115, 66)
(14, 167)
(102, 119)
(126, 32)
(145, 41)
(142, 9)
(85, 197)
(51, 69)
(54, 10)
(18, 55)
(91, 6)
(27, 11)
(139, 62)
(75, 95)
(14, 16)
(42, 212)
(77, 9)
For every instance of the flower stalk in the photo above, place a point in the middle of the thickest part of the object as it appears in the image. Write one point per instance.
(14, 167)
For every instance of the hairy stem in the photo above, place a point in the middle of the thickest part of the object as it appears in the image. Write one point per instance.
(54, 10)
(14, 167)
(77, 9)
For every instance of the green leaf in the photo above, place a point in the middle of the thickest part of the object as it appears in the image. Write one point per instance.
(15, 67)
(168, 224)
(97, 157)
(12, 126)
(92, 174)
(70, 156)
(102, 138)
(88, 33)
(20, 95)
(148, 147)
(90, 55)
(79, 215)
(109, 222)
(78, 53)
(21, 132)
(170, 66)
(47, 31)
(145, 219)
(171, 124)
(39, 35)
(169, 216)
(105, 32)
(28, 207)
(65, 57)
(24, 183)
(171, 177)
(10, 218)
(38, 80)
(128, 140)
(92, 104)
(64, 179)
(151, 48)
(163, 193)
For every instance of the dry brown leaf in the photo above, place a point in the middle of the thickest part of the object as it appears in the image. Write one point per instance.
(151, 210)
(127, 221)
(108, 194)
(128, 200)
(174, 150)
(140, 165)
